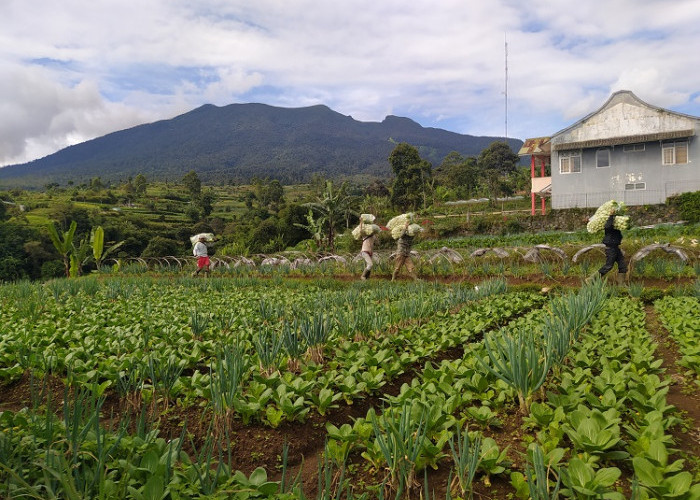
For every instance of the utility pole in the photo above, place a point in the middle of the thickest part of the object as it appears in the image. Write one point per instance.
(505, 38)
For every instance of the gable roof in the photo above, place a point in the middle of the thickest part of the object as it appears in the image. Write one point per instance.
(625, 119)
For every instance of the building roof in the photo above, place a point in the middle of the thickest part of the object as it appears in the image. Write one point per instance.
(536, 146)
(624, 119)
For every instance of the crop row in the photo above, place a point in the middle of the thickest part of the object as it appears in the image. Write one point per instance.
(94, 327)
(605, 412)
(680, 317)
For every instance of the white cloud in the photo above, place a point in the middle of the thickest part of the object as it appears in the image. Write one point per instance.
(74, 70)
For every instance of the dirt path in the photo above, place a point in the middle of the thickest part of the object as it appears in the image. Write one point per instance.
(683, 393)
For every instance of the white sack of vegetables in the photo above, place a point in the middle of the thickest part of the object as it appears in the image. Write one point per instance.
(365, 228)
(207, 237)
(597, 221)
(367, 218)
(622, 222)
(403, 223)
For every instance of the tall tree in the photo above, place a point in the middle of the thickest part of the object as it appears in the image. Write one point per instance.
(458, 173)
(140, 184)
(497, 162)
(192, 184)
(412, 177)
(206, 202)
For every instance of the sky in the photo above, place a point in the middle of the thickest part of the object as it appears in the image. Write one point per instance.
(73, 70)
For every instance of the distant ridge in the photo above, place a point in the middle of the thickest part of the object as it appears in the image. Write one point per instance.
(240, 141)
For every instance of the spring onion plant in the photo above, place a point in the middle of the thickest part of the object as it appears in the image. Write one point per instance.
(268, 346)
(198, 323)
(519, 359)
(466, 455)
(400, 438)
(163, 374)
(539, 474)
(315, 332)
(226, 378)
(294, 345)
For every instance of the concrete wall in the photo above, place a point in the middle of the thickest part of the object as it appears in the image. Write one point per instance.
(594, 186)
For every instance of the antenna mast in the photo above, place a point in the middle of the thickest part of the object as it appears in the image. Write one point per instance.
(506, 84)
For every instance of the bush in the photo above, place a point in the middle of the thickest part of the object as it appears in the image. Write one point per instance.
(688, 204)
(481, 225)
(650, 295)
(512, 226)
(52, 269)
(11, 269)
(160, 247)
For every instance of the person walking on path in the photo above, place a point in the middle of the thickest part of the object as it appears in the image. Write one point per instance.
(201, 252)
(366, 252)
(613, 254)
(403, 255)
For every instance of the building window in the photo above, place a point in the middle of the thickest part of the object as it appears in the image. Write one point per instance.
(602, 158)
(633, 148)
(674, 153)
(570, 162)
(636, 186)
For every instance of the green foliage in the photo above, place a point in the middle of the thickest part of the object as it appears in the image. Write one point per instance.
(159, 246)
(651, 295)
(334, 207)
(192, 184)
(63, 243)
(412, 178)
(688, 204)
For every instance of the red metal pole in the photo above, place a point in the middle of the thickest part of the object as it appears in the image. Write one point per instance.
(542, 173)
(532, 176)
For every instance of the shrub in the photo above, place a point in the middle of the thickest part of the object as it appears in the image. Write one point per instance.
(650, 295)
(513, 226)
(52, 269)
(481, 225)
(159, 247)
(688, 204)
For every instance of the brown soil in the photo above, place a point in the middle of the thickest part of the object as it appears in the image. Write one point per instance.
(682, 393)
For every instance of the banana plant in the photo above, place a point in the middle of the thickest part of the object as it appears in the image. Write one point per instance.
(97, 240)
(63, 243)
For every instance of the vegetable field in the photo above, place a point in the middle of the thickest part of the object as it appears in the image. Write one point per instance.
(242, 386)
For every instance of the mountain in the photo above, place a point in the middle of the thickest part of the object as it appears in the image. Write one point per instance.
(240, 141)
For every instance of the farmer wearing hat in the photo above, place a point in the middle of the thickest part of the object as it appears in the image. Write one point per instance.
(200, 251)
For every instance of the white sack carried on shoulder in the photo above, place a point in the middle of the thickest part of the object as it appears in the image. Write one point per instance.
(399, 224)
(367, 218)
(364, 230)
(207, 236)
(413, 229)
(597, 221)
(621, 222)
